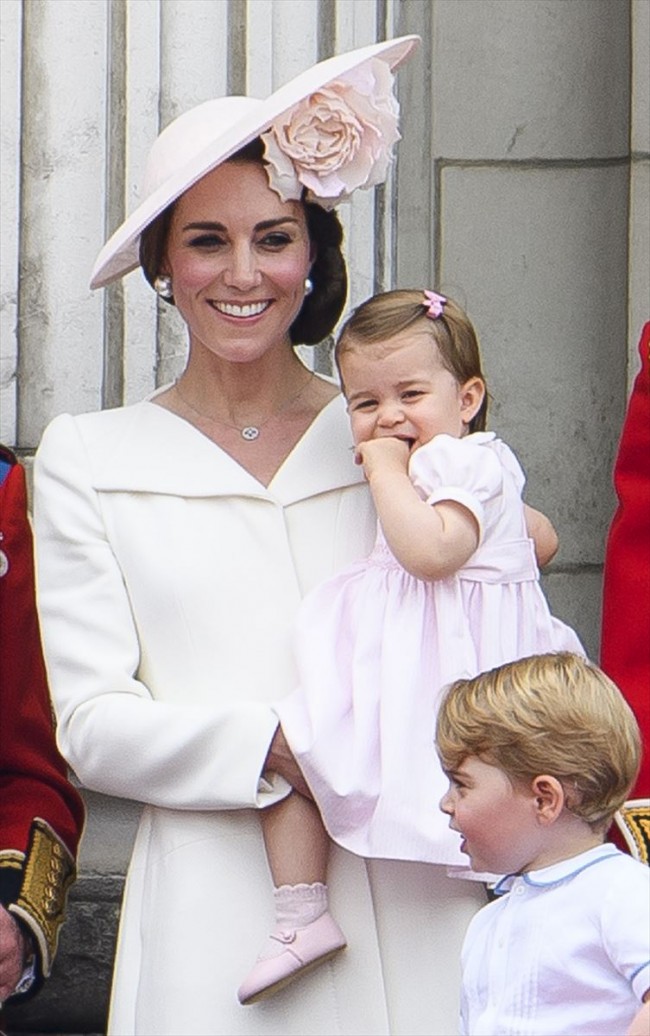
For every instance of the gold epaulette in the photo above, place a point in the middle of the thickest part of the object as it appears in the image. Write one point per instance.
(633, 820)
(48, 871)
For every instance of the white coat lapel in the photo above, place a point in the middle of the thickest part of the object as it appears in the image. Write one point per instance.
(322, 461)
(146, 449)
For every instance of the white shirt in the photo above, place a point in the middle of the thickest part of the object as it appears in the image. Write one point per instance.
(566, 951)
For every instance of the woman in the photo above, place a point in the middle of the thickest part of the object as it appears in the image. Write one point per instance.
(176, 538)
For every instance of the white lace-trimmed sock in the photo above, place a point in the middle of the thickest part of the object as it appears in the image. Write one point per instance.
(296, 906)
(299, 905)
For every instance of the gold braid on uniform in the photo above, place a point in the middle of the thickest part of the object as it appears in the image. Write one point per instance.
(633, 819)
(48, 871)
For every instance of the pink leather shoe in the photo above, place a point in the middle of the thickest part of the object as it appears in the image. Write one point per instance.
(289, 953)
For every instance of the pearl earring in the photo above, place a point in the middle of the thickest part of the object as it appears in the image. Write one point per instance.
(309, 286)
(163, 286)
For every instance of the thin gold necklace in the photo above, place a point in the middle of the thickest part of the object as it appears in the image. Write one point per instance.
(250, 432)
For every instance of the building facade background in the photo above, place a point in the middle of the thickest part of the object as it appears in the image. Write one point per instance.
(521, 187)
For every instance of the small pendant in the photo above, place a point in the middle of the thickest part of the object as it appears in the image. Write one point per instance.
(250, 433)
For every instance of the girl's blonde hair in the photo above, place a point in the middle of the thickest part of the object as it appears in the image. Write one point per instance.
(555, 714)
(388, 314)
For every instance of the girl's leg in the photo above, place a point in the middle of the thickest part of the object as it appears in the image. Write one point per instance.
(305, 934)
(296, 842)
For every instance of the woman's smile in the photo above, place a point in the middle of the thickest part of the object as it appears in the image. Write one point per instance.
(240, 310)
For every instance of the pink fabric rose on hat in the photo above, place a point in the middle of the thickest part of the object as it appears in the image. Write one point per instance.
(339, 138)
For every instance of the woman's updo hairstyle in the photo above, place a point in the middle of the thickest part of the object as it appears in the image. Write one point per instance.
(153, 244)
(322, 308)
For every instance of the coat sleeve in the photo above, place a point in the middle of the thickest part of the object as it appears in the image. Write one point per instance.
(116, 736)
(41, 813)
(625, 645)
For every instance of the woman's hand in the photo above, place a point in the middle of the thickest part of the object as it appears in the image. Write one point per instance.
(281, 760)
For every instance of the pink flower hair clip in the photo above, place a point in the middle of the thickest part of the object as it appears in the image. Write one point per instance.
(435, 304)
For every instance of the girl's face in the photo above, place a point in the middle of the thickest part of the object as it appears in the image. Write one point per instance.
(497, 819)
(400, 388)
(238, 257)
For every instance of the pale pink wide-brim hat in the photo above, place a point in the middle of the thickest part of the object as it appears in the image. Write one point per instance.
(207, 135)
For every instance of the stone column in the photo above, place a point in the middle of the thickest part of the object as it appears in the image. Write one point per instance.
(530, 130)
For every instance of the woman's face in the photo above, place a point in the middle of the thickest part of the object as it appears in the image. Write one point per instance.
(238, 257)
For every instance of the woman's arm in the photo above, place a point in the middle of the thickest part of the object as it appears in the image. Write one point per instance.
(430, 541)
(542, 533)
(116, 737)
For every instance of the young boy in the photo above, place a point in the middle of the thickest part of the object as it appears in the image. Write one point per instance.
(540, 754)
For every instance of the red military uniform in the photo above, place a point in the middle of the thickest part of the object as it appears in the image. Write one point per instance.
(625, 641)
(41, 813)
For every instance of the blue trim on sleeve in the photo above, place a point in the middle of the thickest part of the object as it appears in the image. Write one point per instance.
(639, 970)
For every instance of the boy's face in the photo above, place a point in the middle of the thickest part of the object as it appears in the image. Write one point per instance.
(497, 819)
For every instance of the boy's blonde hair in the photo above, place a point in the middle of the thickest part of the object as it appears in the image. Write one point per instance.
(555, 714)
(383, 316)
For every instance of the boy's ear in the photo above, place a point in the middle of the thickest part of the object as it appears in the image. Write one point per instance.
(549, 798)
(472, 394)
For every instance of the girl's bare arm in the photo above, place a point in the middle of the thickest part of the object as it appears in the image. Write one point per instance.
(543, 535)
(430, 542)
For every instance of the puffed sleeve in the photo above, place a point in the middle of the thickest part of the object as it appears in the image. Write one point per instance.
(467, 471)
(115, 735)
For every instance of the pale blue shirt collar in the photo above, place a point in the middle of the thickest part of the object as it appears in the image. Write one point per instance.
(557, 872)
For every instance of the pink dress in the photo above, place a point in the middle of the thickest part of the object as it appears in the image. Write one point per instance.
(375, 647)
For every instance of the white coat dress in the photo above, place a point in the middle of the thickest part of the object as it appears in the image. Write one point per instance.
(168, 581)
